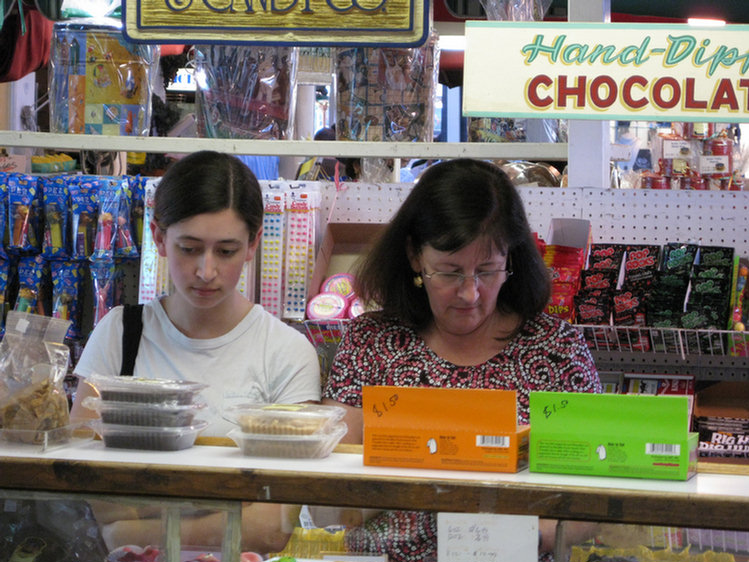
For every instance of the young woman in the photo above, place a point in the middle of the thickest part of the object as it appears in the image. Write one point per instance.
(207, 223)
(461, 289)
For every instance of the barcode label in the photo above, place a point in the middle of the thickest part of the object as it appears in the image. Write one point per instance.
(662, 449)
(502, 441)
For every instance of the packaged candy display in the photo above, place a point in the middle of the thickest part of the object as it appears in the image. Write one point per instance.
(386, 94)
(137, 413)
(149, 437)
(316, 445)
(327, 306)
(144, 414)
(284, 419)
(100, 84)
(286, 430)
(245, 91)
(146, 391)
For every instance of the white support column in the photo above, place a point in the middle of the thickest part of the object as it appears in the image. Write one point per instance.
(589, 143)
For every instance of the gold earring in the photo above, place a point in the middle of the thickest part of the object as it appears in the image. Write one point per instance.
(418, 281)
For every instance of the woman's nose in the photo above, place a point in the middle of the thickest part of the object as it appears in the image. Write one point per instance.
(206, 267)
(469, 289)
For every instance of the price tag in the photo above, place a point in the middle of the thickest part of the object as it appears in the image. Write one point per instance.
(487, 537)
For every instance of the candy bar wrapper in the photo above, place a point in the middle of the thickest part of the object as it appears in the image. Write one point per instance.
(84, 211)
(106, 222)
(678, 256)
(124, 241)
(22, 208)
(56, 199)
(30, 275)
(104, 288)
(641, 264)
(66, 299)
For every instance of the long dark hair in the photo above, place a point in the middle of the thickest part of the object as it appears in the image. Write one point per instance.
(208, 182)
(452, 204)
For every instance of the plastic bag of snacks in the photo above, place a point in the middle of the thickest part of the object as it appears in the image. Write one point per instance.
(33, 364)
(386, 94)
(99, 83)
(245, 92)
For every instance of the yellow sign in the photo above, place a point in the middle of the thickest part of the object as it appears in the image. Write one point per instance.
(648, 72)
(289, 22)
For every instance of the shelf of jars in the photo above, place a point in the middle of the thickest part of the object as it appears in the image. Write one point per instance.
(346, 149)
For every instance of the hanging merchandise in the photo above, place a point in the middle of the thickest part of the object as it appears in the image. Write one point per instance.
(100, 84)
(245, 92)
(386, 94)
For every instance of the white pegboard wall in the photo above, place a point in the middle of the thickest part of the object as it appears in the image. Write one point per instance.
(719, 218)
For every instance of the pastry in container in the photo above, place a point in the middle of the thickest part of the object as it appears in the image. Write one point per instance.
(146, 391)
(149, 437)
(290, 446)
(284, 419)
(152, 415)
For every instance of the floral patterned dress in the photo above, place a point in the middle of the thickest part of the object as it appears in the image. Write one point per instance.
(547, 354)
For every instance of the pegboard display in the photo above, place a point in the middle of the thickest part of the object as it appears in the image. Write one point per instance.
(719, 218)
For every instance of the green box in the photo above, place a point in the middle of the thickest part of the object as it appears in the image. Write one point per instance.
(631, 435)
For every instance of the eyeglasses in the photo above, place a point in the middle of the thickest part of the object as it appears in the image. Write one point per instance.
(454, 280)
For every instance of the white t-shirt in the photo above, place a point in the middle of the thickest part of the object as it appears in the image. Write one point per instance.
(260, 360)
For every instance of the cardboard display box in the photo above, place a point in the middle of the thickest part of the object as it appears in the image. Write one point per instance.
(443, 428)
(721, 414)
(631, 435)
(342, 244)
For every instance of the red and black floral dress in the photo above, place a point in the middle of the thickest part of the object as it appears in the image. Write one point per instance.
(547, 354)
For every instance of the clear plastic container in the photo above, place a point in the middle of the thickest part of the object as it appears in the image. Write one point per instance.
(150, 438)
(133, 413)
(146, 391)
(284, 419)
(314, 446)
(48, 439)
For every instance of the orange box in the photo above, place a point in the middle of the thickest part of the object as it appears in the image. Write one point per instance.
(444, 428)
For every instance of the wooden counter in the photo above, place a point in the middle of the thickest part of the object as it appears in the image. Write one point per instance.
(223, 473)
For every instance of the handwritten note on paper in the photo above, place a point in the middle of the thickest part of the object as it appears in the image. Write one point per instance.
(486, 537)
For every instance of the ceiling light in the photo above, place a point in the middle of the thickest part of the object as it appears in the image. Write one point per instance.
(706, 22)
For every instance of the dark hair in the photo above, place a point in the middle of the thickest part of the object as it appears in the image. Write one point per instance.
(452, 204)
(208, 182)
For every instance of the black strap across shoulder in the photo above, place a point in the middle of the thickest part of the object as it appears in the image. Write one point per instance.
(132, 326)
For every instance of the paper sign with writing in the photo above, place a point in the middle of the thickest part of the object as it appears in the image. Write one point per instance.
(649, 72)
(486, 537)
(289, 22)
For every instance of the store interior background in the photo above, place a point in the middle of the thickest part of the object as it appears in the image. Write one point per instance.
(23, 103)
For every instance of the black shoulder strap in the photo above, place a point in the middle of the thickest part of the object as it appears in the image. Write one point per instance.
(132, 326)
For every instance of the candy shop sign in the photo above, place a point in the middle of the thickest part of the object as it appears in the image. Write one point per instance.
(289, 22)
(607, 71)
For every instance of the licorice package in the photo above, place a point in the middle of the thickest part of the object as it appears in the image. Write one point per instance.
(56, 199)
